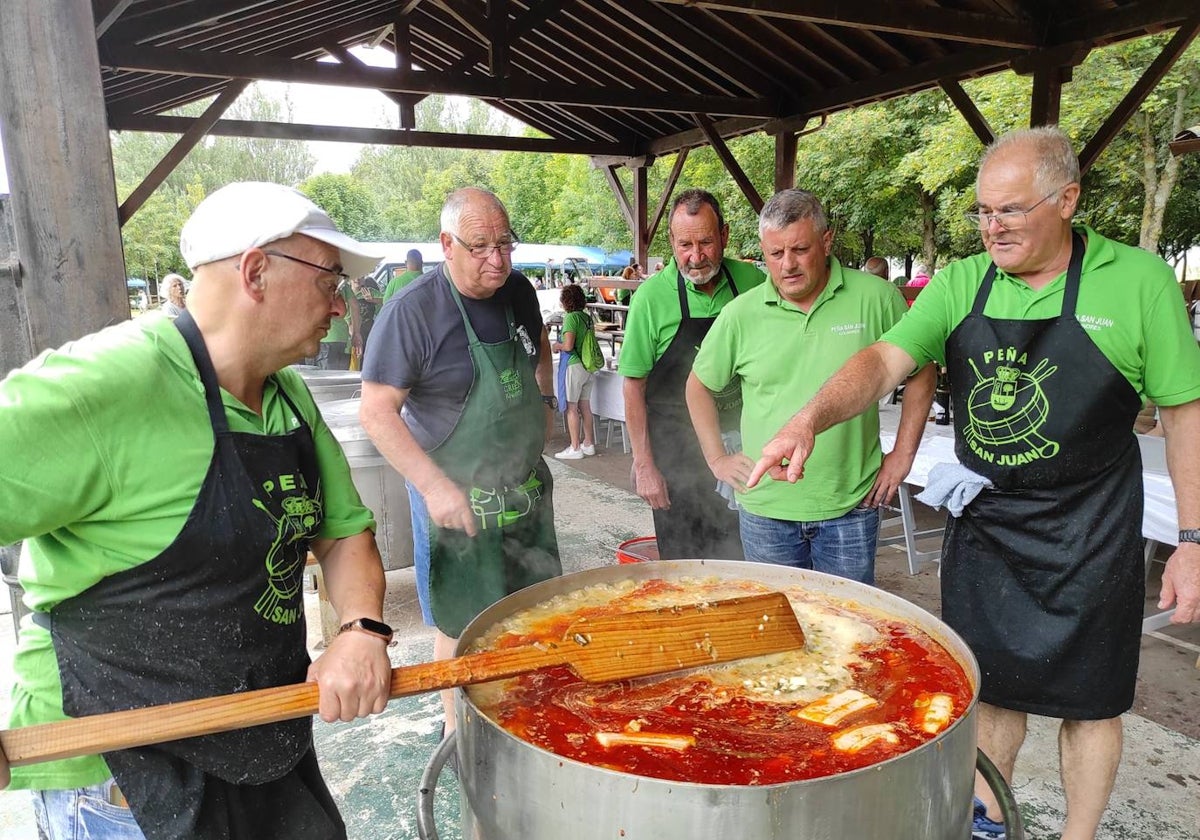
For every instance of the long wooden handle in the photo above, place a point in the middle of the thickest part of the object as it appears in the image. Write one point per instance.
(169, 722)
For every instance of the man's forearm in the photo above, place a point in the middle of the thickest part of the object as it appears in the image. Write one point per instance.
(705, 419)
(634, 392)
(868, 375)
(353, 573)
(914, 410)
(396, 443)
(544, 372)
(1181, 425)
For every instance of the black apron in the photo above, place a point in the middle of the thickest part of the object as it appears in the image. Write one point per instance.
(1042, 575)
(699, 523)
(494, 453)
(220, 610)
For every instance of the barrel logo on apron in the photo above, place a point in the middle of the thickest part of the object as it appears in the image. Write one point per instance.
(296, 524)
(1007, 410)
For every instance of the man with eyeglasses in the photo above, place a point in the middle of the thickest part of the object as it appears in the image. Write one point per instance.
(453, 397)
(668, 318)
(168, 567)
(1052, 339)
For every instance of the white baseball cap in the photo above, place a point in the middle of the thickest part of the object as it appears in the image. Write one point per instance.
(249, 214)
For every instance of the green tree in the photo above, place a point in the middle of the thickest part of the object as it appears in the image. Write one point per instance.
(347, 202)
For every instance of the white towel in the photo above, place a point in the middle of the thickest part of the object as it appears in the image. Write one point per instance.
(952, 485)
(733, 445)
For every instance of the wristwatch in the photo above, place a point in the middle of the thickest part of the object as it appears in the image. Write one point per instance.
(1191, 535)
(551, 401)
(369, 626)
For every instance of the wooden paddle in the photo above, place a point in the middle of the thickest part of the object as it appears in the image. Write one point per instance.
(600, 649)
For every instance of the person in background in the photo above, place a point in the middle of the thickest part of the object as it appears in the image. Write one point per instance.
(343, 337)
(877, 266)
(920, 277)
(366, 293)
(455, 387)
(578, 378)
(816, 314)
(170, 567)
(1053, 337)
(668, 318)
(414, 265)
(171, 291)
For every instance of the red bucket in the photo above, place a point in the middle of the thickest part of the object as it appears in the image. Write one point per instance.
(638, 550)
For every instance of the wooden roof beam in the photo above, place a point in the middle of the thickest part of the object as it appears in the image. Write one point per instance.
(1129, 20)
(224, 65)
(902, 16)
(376, 136)
(1138, 93)
(106, 13)
(918, 77)
(731, 165)
(194, 134)
(962, 101)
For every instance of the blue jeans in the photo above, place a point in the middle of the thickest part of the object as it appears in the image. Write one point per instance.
(420, 529)
(844, 546)
(83, 814)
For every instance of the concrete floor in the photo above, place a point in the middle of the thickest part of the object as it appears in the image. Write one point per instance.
(374, 767)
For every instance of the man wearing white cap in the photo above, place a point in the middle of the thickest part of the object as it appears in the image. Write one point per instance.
(167, 567)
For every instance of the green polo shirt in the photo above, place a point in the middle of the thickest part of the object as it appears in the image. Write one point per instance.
(577, 323)
(654, 314)
(399, 282)
(783, 356)
(106, 443)
(1129, 305)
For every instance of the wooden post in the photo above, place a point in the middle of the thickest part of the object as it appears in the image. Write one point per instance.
(64, 200)
(15, 349)
(785, 160)
(641, 236)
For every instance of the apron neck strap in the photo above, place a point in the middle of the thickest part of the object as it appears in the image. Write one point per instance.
(472, 338)
(1070, 293)
(186, 325)
(680, 285)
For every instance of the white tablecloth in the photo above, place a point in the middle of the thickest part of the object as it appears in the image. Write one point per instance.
(1159, 520)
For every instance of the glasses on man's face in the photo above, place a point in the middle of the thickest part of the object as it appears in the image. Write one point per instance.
(1009, 219)
(483, 251)
(331, 289)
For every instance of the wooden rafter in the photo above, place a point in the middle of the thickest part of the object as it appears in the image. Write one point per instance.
(966, 107)
(377, 136)
(902, 16)
(731, 165)
(223, 65)
(1138, 93)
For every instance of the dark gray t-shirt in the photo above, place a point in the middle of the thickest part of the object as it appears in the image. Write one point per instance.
(419, 343)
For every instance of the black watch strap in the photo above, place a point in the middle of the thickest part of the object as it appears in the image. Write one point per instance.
(550, 400)
(369, 626)
(1191, 535)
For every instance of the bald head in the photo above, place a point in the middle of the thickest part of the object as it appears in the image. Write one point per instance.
(877, 266)
(473, 199)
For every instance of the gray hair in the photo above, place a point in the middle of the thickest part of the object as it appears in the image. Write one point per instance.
(787, 207)
(692, 200)
(459, 200)
(1057, 164)
(170, 280)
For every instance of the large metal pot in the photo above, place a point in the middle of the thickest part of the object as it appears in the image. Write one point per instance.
(380, 487)
(513, 789)
(329, 385)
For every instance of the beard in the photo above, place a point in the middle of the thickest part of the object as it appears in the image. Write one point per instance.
(706, 273)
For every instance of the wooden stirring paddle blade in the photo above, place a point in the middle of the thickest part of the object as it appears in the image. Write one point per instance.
(600, 649)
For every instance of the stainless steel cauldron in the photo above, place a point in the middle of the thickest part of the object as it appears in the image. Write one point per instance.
(513, 789)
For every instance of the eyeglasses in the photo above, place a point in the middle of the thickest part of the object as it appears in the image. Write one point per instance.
(482, 252)
(330, 291)
(1009, 219)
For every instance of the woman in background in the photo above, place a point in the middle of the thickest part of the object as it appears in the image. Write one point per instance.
(579, 379)
(171, 293)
